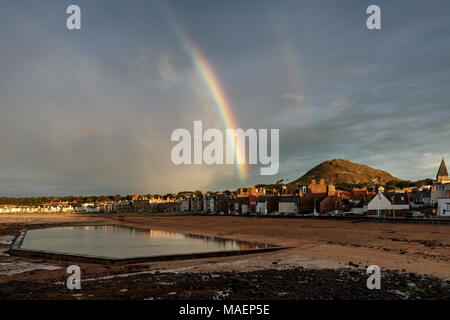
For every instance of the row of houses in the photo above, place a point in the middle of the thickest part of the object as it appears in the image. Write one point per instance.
(377, 203)
(138, 205)
(384, 204)
(316, 198)
(251, 201)
(434, 198)
(35, 209)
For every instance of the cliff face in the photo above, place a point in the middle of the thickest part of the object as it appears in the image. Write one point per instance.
(344, 171)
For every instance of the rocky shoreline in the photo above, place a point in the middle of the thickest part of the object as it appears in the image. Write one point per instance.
(293, 284)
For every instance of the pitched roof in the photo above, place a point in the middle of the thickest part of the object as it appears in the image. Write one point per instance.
(361, 204)
(397, 198)
(442, 172)
(393, 197)
(289, 199)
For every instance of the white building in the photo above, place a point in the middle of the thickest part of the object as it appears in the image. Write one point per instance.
(443, 208)
(261, 206)
(208, 204)
(88, 208)
(93, 209)
(184, 206)
(288, 205)
(383, 203)
(441, 188)
(439, 191)
(67, 209)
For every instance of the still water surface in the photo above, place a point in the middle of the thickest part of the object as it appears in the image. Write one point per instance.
(125, 242)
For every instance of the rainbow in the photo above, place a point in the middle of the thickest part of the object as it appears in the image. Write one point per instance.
(215, 89)
(220, 100)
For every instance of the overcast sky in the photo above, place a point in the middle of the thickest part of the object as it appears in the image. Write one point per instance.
(92, 111)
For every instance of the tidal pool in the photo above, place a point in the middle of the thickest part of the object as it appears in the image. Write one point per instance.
(119, 242)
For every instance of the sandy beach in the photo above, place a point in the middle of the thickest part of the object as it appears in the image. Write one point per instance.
(316, 244)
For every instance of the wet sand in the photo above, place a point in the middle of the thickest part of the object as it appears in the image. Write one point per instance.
(423, 249)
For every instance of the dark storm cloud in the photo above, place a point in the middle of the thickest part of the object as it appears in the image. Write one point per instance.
(92, 111)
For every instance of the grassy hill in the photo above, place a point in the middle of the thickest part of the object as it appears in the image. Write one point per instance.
(339, 171)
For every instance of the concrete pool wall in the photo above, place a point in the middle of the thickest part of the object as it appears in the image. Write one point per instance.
(16, 250)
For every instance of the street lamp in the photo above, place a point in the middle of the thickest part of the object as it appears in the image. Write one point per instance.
(393, 206)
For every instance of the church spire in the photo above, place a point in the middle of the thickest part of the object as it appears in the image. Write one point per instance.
(442, 172)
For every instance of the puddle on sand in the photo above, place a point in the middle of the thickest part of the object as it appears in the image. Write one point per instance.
(6, 239)
(11, 268)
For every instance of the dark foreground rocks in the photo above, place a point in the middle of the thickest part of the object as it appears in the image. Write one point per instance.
(292, 284)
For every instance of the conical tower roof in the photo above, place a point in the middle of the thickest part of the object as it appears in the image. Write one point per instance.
(442, 172)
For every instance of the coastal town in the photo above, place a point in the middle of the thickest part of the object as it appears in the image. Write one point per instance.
(213, 159)
(318, 198)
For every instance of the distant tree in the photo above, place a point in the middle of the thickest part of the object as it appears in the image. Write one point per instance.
(425, 182)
